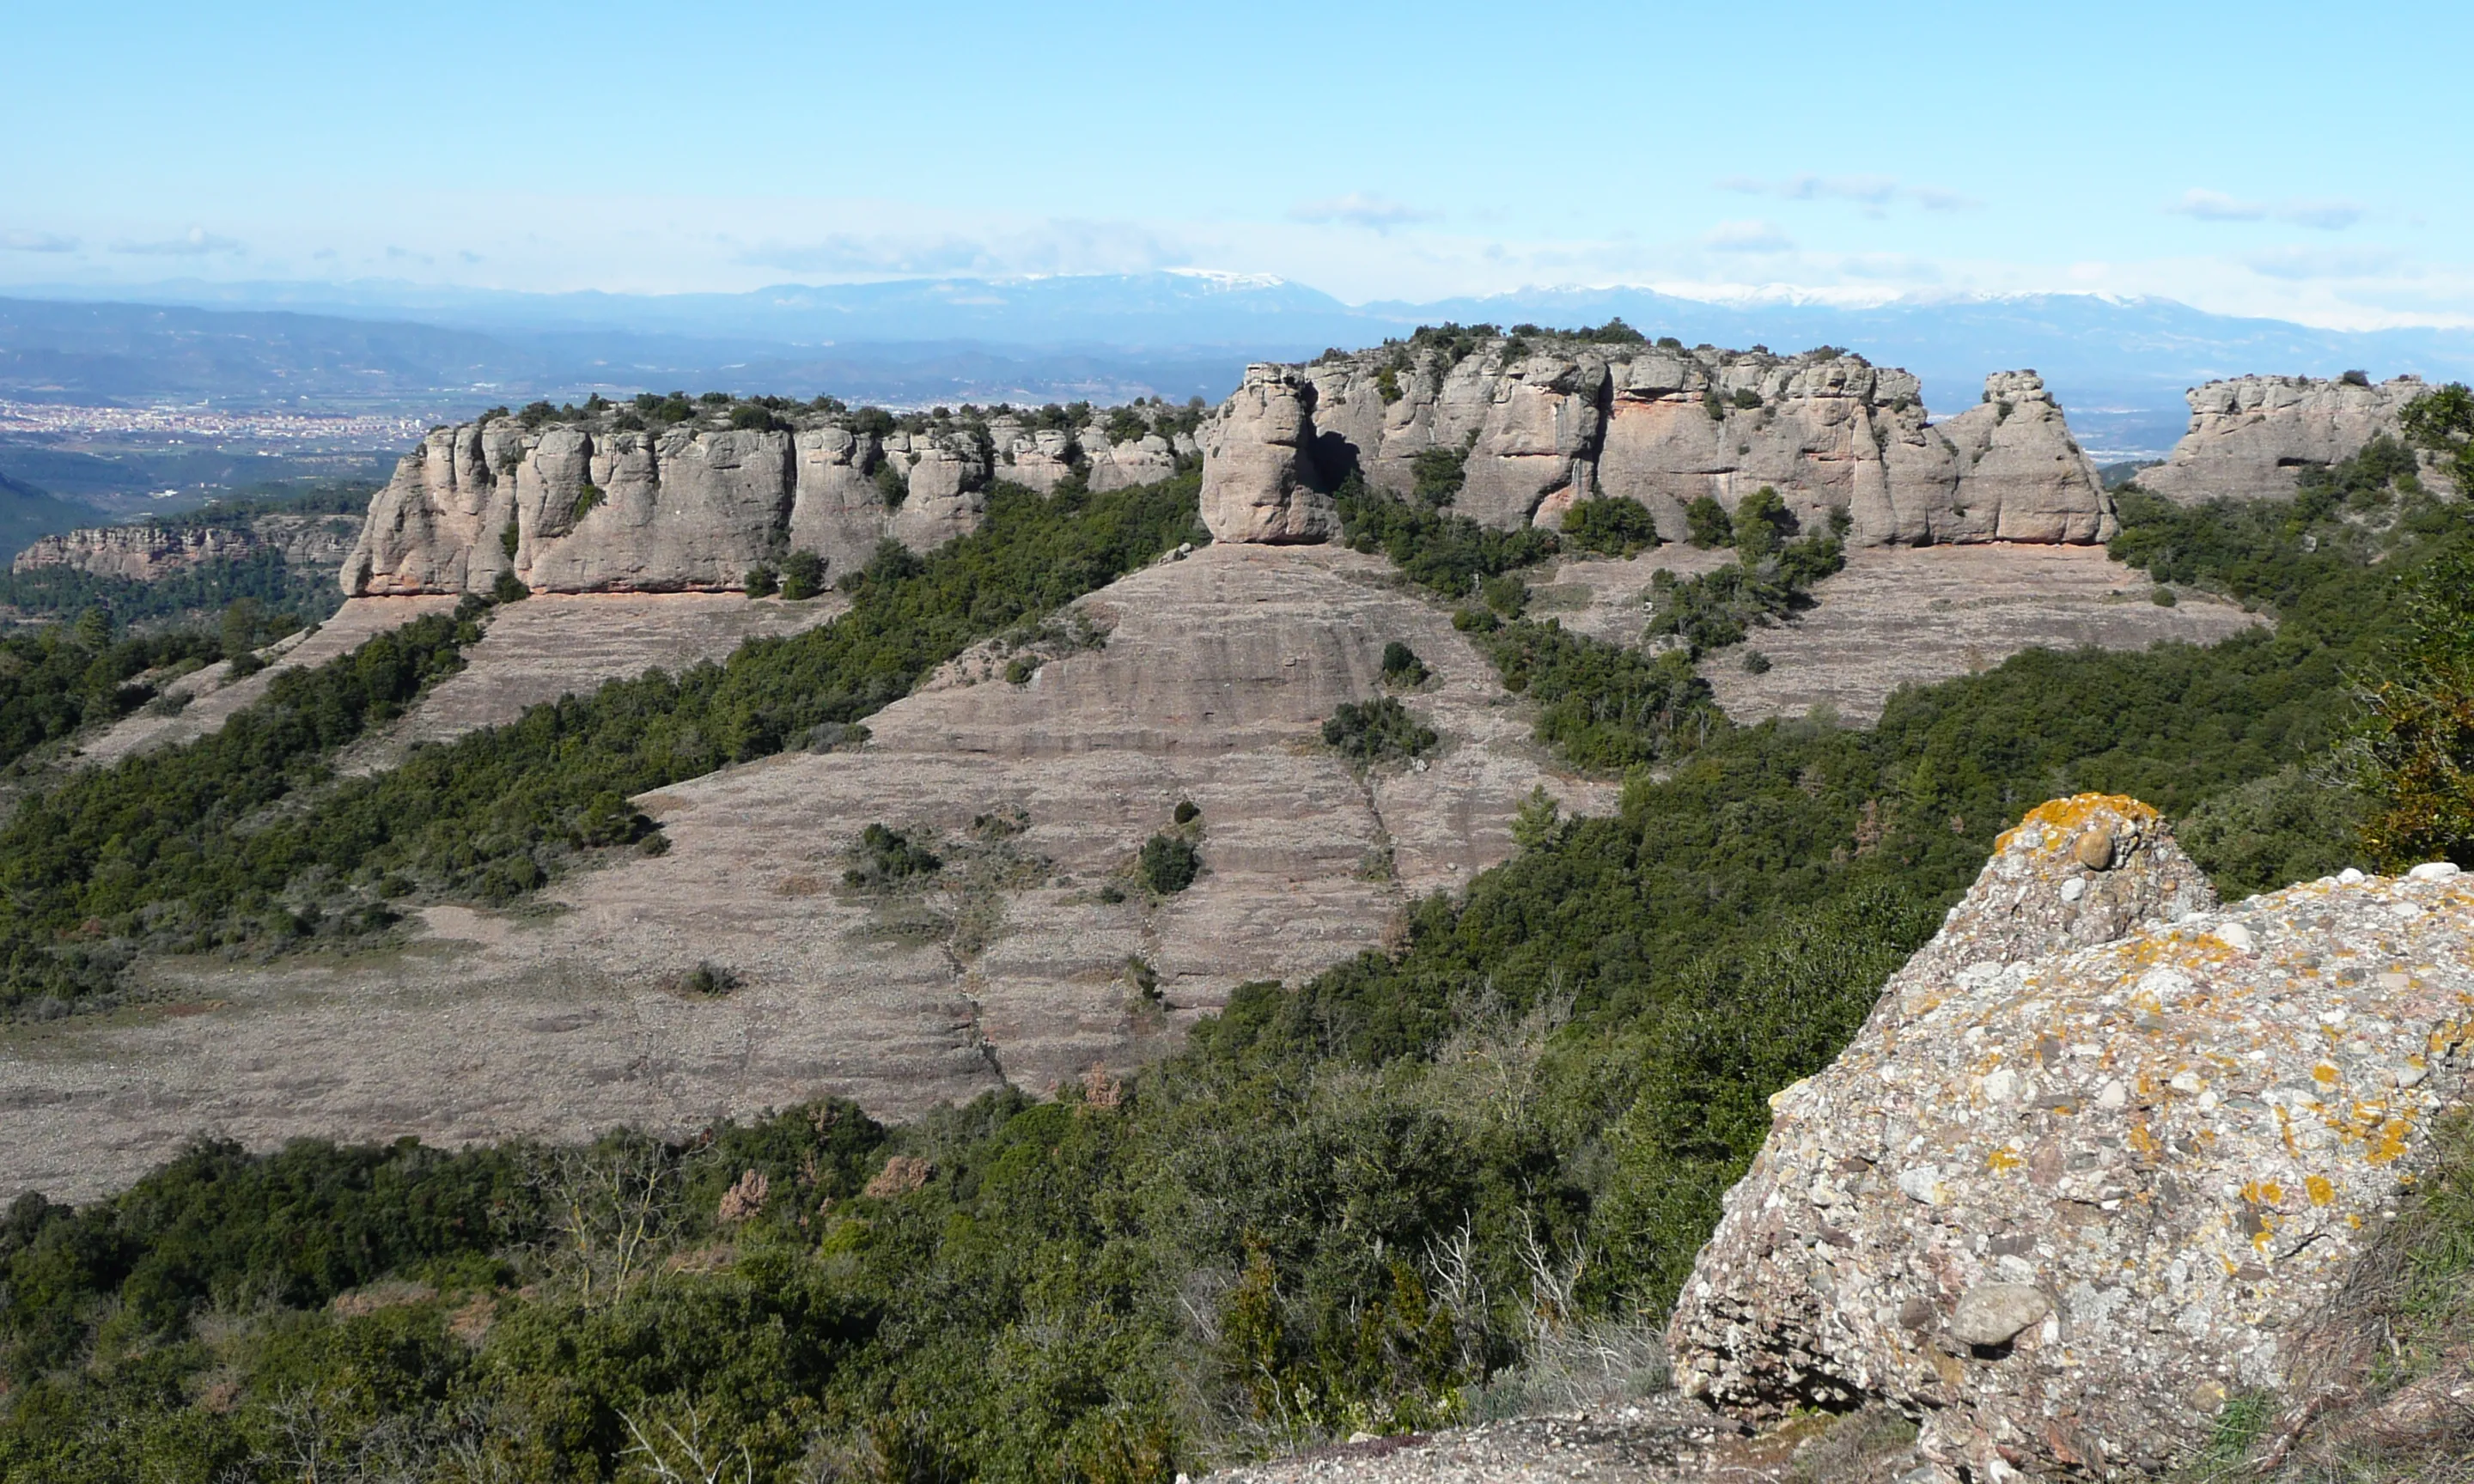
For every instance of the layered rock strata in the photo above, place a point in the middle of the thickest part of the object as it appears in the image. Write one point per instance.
(1537, 427)
(1020, 960)
(2251, 438)
(146, 552)
(2105, 1155)
(588, 505)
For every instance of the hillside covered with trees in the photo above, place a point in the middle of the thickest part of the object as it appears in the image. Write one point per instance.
(1390, 1197)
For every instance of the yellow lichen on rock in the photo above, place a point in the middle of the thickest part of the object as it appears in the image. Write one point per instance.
(2200, 1113)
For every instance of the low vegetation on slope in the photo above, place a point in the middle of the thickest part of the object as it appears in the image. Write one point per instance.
(184, 849)
(1344, 1204)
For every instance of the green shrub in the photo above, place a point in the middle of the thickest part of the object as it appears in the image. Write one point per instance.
(803, 576)
(1708, 523)
(1377, 730)
(1437, 475)
(1168, 864)
(1761, 524)
(1446, 553)
(1187, 811)
(1019, 670)
(884, 859)
(2162, 596)
(1616, 527)
(892, 484)
(1765, 584)
(1402, 667)
(710, 979)
(763, 582)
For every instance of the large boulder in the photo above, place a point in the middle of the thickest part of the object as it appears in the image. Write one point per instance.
(2105, 1155)
(2251, 437)
(1260, 482)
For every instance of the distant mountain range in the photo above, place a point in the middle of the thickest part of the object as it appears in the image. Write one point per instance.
(2119, 366)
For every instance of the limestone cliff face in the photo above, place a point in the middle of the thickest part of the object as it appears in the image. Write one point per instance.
(2251, 437)
(1663, 425)
(589, 505)
(148, 553)
(2105, 1155)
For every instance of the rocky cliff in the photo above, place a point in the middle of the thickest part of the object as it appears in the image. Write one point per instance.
(1538, 423)
(2251, 438)
(146, 552)
(2105, 1155)
(596, 501)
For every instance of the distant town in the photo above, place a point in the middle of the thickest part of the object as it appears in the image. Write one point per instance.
(176, 425)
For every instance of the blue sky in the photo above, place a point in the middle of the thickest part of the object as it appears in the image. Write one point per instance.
(2305, 161)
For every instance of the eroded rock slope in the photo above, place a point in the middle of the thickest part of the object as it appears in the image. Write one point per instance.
(2105, 1155)
(1029, 957)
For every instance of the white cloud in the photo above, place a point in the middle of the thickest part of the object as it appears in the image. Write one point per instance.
(1053, 247)
(2305, 263)
(1872, 194)
(22, 241)
(195, 242)
(1358, 209)
(1747, 236)
(2327, 215)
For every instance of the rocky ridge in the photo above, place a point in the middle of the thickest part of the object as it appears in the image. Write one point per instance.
(1537, 424)
(2105, 1155)
(148, 552)
(598, 500)
(2251, 437)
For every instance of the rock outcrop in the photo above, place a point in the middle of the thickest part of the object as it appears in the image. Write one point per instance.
(2251, 438)
(1259, 476)
(1538, 426)
(596, 502)
(147, 552)
(2105, 1155)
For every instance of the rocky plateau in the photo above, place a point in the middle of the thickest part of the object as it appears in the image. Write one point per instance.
(147, 551)
(593, 505)
(1538, 427)
(2251, 437)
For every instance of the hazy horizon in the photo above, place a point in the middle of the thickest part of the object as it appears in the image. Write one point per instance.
(2278, 166)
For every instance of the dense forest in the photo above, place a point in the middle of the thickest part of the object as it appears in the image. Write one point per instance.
(1407, 1191)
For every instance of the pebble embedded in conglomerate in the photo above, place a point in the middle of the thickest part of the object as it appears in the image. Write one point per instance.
(2147, 1136)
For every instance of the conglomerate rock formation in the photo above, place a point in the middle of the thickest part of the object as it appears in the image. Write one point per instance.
(2251, 437)
(2105, 1155)
(599, 502)
(1542, 425)
(148, 552)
